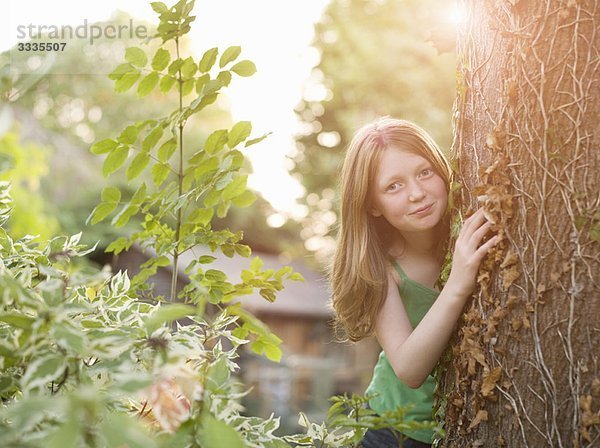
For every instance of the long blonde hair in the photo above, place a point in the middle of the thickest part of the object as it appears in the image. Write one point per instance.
(358, 273)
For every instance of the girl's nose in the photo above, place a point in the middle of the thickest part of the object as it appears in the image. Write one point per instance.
(416, 193)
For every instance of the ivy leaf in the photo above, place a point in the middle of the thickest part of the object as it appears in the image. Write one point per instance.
(136, 56)
(115, 160)
(208, 60)
(229, 55)
(161, 59)
(244, 68)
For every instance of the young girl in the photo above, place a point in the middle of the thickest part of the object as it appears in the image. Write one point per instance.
(392, 238)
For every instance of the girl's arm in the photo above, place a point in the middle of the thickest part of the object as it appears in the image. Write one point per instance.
(413, 353)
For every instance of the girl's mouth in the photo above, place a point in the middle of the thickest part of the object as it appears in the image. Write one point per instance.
(423, 210)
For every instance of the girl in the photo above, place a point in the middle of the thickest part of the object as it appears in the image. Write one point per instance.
(394, 228)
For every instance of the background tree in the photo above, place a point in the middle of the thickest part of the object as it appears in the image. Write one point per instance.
(69, 106)
(376, 58)
(525, 364)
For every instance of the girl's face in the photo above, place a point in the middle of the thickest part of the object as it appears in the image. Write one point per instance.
(407, 192)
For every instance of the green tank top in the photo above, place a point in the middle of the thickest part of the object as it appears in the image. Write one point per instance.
(391, 392)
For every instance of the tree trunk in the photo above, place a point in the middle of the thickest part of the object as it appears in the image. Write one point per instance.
(524, 371)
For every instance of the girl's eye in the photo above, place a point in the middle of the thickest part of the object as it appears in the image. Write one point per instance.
(394, 186)
(426, 172)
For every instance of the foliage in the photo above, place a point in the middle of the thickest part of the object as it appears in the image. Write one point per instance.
(25, 165)
(92, 358)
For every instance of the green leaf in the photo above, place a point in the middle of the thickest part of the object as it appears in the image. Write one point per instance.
(239, 132)
(188, 69)
(187, 86)
(114, 160)
(167, 149)
(147, 84)
(160, 171)
(201, 216)
(118, 246)
(168, 313)
(175, 66)
(159, 7)
(138, 164)
(212, 86)
(244, 68)
(229, 55)
(208, 60)
(17, 320)
(297, 277)
(254, 141)
(216, 141)
(124, 83)
(217, 433)
(224, 78)
(122, 430)
(104, 146)
(203, 101)
(111, 194)
(136, 56)
(42, 370)
(152, 138)
(243, 250)
(161, 59)
(245, 199)
(256, 264)
(129, 135)
(201, 81)
(235, 188)
(121, 69)
(223, 208)
(68, 434)
(206, 259)
(272, 352)
(212, 198)
(101, 211)
(166, 82)
(126, 213)
(140, 195)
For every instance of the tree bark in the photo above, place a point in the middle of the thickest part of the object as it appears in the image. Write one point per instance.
(524, 367)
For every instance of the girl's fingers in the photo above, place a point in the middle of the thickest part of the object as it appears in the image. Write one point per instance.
(481, 232)
(485, 247)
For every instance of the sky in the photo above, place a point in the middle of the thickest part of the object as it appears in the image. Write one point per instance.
(274, 34)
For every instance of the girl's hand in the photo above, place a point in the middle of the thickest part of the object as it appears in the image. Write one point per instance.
(468, 253)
